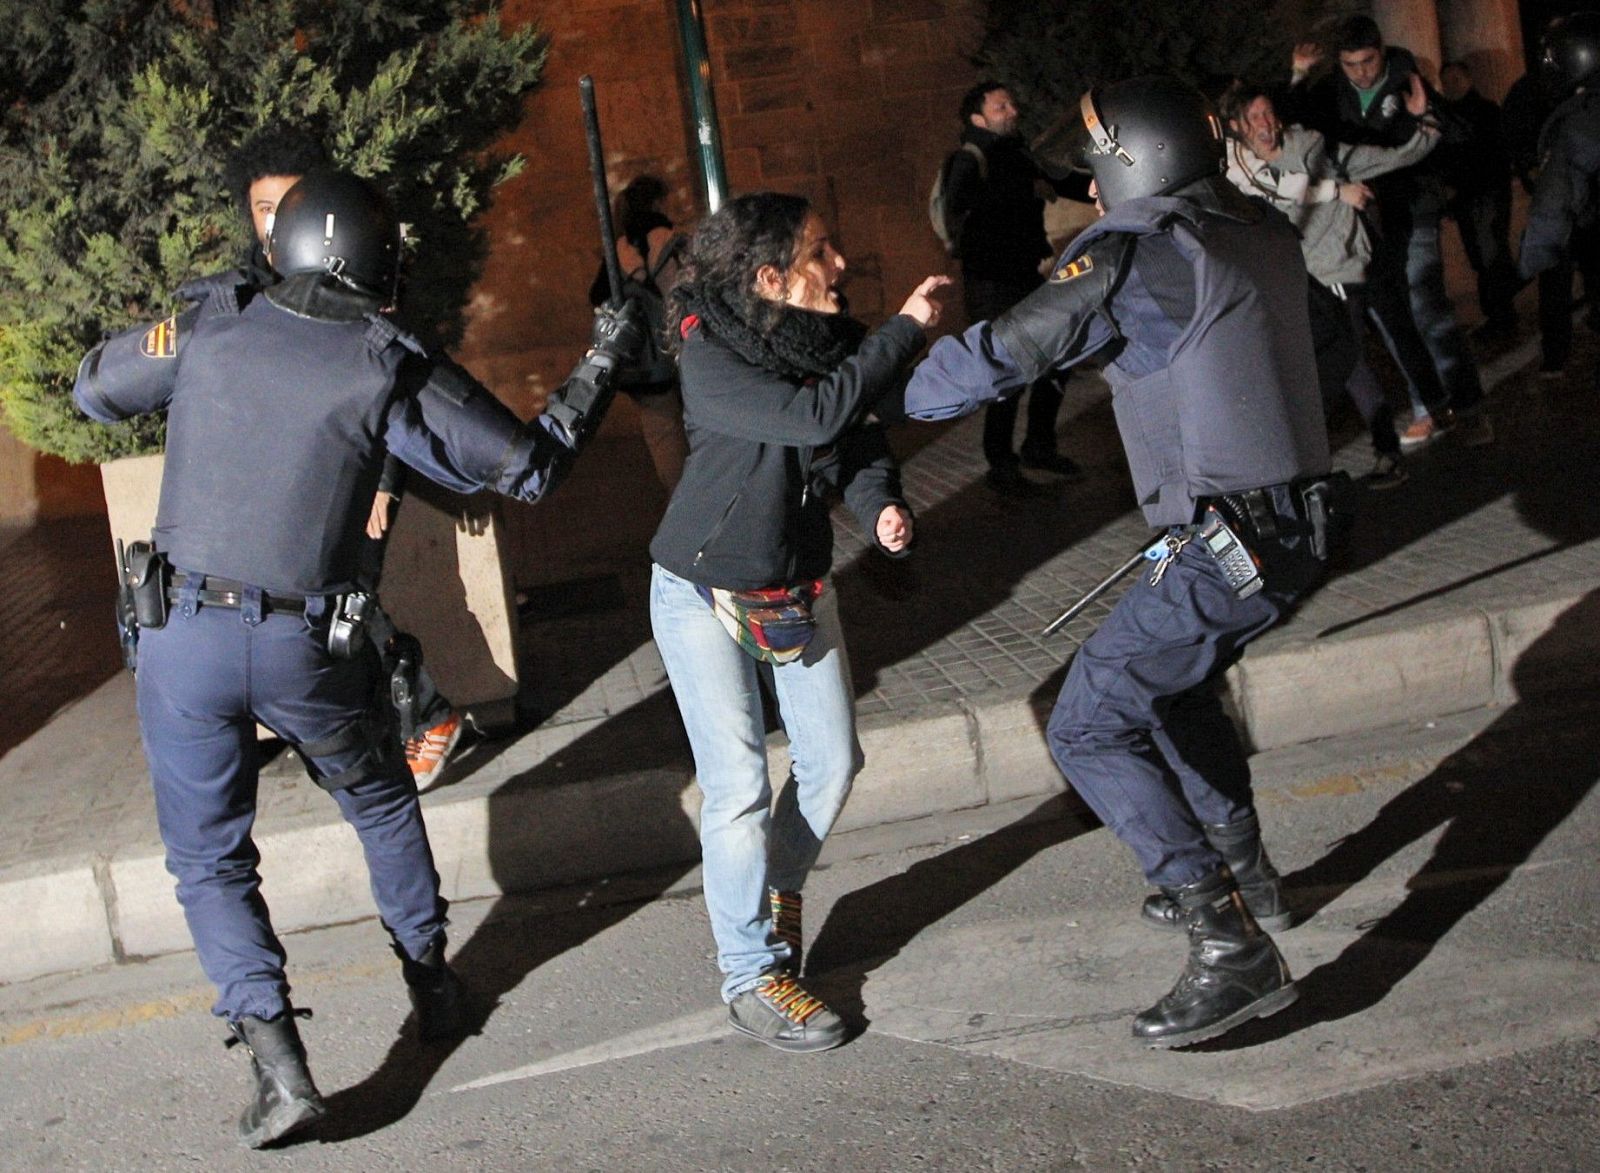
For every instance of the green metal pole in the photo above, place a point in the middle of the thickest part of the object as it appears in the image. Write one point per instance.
(707, 134)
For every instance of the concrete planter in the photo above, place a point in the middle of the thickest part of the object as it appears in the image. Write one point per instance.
(444, 581)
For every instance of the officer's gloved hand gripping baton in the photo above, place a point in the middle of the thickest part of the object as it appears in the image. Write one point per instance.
(618, 328)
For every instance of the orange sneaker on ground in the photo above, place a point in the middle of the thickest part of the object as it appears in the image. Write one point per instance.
(428, 752)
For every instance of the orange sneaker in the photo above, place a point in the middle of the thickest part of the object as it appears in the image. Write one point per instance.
(1421, 431)
(428, 752)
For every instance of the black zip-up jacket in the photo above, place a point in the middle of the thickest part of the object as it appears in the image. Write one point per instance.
(1002, 236)
(765, 456)
(1333, 106)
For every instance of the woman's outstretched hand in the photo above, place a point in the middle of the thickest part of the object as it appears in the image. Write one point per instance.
(920, 307)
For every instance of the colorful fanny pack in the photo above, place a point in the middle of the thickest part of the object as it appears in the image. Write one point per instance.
(773, 624)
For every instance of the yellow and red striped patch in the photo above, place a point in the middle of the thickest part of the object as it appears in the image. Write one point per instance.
(161, 340)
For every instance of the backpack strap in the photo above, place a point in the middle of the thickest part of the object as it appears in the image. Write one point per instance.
(983, 160)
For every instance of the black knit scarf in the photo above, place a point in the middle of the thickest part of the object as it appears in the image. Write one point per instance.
(803, 344)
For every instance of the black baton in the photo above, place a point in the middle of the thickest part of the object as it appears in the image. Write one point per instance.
(602, 194)
(1105, 585)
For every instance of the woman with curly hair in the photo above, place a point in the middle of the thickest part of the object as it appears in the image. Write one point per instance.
(778, 389)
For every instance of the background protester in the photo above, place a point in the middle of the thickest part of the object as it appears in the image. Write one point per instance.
(778, 384)
(260, 171)
(1362, 100)
(647, 252)
(1291, 168)
(1477, 174)
(993, 201)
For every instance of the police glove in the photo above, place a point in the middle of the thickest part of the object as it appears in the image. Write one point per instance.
(616, 341)
(619, 334)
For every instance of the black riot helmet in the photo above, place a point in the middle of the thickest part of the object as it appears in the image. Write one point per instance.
(1142, 137)
(336, 223)
(1572, 50)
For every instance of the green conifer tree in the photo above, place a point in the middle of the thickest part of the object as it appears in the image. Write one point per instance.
(116, 120)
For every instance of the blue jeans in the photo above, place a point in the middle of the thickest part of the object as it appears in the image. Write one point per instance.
(204, 681)
(1434, 315)
(746, 844)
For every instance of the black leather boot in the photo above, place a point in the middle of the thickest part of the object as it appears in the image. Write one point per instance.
(1239, 844)
(1234, 972)
(437, 995)
(285, 1100)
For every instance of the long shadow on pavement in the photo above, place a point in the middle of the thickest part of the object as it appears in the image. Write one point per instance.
(1497, 798)
(868, 927)
(495, 960)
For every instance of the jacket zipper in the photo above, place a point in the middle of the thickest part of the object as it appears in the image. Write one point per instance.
(716, 529)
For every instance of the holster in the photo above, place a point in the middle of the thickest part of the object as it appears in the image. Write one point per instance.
(146, 574)
(403, 660)
(347, 630)
(127, 621)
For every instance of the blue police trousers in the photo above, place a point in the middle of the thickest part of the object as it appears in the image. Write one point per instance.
(205, 679)
(1139, 730)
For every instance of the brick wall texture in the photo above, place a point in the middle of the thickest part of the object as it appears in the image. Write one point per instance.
(848, 102)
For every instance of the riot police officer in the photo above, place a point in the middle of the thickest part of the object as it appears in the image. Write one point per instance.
(1569, 144)
(1196, 298)
(280, 404)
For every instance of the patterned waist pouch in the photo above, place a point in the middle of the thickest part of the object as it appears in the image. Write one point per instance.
(773, 624)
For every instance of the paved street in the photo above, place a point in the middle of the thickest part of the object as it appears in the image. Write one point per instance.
(1449, 961)
(969, 918)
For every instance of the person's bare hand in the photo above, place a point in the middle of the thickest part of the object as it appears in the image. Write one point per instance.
(894, 528)
(1357, 195)
(920, 307)
(382, 510)
(1416, 97)
(1307, 56)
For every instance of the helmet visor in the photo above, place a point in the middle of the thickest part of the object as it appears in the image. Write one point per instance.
(1063, 149)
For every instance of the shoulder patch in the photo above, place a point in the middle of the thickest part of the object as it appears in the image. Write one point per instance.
(1072, 270)
(161, 340)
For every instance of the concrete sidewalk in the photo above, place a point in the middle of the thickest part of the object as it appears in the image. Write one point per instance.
(1471, 585)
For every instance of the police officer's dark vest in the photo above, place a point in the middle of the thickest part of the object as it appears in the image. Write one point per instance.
(274, 443)
(1238, 405)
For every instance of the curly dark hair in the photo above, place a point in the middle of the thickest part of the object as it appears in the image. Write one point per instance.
(729, 249)
(272, 150)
